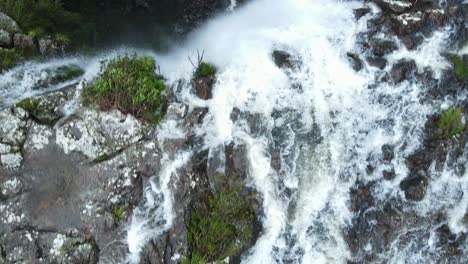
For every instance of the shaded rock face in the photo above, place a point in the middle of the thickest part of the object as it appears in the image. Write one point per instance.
(65, 204)
(8, 24)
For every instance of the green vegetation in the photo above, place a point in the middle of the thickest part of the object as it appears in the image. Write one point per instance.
(10, 57)
(118, 212)
(450, 122)
(195, 259)
(29, 104)
(222, 225)
(43, 17)
(460, 65)
(130, 84)
(205, 70)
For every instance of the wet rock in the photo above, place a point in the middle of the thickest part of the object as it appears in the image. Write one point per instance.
(397, 6)
(6, 39)
(57, 75)
(204, 87)
(355, 61)
(415, 186)
(382, 47)
(176, 111)
(25, 42)
(8, 24)
(409, 22)
(360, 12)
(403, 70)
(387, 152)
(389, 174)
(380, 63)
(283, 59)
(361, 198)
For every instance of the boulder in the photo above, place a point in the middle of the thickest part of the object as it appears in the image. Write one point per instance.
(204, 87)
(6, 39)
(25, 42)
(7, 23)
(49, 47)
(403, 70)
(13, 129)
(415, 186)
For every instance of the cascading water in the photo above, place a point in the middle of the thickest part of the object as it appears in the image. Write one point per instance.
(326, 121)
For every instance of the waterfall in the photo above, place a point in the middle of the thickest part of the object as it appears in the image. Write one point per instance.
(328, 122)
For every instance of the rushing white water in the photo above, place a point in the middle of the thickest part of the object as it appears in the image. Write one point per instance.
(324, 118)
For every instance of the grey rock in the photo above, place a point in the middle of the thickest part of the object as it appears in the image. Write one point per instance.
(49, 47)
(7, 23)
(24, 42)
(6, 39)
(13, 129)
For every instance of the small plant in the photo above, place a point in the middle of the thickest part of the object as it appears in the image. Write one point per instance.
(195, 259)
(460, 65)
(450, 122)
(221, 226)
(29, 104)
(118, 211)
(62, 39)
(202, 69)
(129, 84)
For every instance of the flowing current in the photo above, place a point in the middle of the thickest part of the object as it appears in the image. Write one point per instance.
(325, 121)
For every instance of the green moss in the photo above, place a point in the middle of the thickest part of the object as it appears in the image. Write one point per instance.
(222, 225)
(460, 65)
(42, 17)
(205, 70)
(29, 104)
(450, 122)
(130, 84)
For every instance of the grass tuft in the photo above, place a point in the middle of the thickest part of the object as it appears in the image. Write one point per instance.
(205, 70)
(450, 122)
(221, 226)
(129, 84)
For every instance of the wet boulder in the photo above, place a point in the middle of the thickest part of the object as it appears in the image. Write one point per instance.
(282, 59)
(204, 87)
(355, 61)
(414, 186)
(382, 47)
(360, 12)
(403, 70)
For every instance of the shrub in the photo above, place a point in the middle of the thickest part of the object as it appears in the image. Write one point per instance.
(450, 122)
(205, 70)
(222, 225)
(460, 65)
(130, 84)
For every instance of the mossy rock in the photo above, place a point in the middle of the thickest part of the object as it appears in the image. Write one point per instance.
(221, 224)
(451, 122)
(129, 84)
